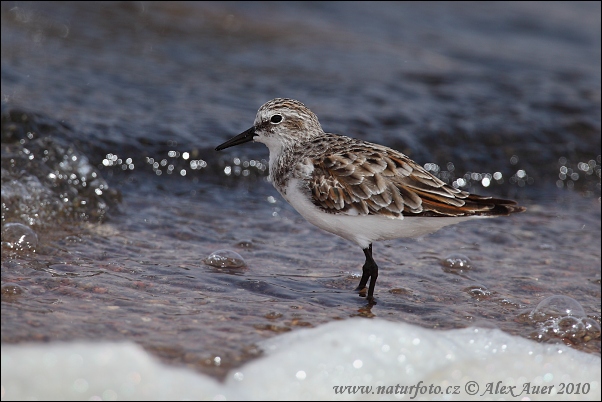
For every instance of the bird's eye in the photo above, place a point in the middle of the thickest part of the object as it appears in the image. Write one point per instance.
(276, 119)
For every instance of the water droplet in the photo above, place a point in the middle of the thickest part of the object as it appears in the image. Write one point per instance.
(478, 292)
(560, 318)
(456, 263)
(225, 259)
(19, 237)
(555, 307)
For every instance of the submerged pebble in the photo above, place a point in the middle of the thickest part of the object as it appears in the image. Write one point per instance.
(19, 237)
(245, 244)
(11, 290)
(225, 259)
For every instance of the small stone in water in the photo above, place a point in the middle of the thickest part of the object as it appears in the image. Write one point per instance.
(570, 327)
(11, 290)
(245, 244)
(225, 259)
(19, 237)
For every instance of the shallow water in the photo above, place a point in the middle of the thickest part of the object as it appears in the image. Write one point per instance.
(108, 130)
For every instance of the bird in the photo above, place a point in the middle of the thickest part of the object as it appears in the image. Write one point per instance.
(358, 190)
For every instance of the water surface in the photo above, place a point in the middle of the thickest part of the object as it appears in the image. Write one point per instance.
(113, 197)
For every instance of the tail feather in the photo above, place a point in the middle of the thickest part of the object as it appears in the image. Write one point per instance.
(495, 206)
(472, 205)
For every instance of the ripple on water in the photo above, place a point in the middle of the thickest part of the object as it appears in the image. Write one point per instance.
(46, 179)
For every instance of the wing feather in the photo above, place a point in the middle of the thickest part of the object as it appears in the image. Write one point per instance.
(360, 178)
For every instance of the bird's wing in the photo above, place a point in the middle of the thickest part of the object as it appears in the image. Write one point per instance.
(379, 180)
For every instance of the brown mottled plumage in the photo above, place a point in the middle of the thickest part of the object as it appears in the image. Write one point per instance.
(378, 180)
(361, 191)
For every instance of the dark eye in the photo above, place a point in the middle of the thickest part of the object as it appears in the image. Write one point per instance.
(276, 119)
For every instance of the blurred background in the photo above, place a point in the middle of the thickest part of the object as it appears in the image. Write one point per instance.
(120, 221)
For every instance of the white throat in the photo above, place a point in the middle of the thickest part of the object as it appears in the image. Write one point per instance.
(275, 147)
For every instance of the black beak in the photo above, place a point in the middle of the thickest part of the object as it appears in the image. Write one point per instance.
(239, 139)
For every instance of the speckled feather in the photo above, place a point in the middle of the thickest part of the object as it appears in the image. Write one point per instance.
(343, 175)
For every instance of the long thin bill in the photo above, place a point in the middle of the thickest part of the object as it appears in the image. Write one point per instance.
(239, 139)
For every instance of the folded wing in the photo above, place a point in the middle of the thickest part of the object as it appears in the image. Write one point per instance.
(378, 181)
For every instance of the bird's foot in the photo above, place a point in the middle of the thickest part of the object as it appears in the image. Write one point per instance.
(363, 293)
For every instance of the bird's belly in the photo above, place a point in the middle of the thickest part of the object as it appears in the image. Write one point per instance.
(364, 229)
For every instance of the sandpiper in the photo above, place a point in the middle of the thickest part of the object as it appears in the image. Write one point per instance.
(358, 190)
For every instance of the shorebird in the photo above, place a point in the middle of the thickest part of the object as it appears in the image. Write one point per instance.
(358, 190)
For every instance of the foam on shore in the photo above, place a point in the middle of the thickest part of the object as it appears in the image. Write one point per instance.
(319, 363)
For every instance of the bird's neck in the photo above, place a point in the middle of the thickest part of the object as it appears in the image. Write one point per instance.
(281, 165)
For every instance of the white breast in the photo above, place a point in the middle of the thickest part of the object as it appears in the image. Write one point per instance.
(363, 230)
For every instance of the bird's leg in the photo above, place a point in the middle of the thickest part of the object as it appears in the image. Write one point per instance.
(373, 273)
(365, 270)
(369, 271)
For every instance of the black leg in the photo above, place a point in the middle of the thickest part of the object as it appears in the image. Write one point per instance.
(365, 270)
(369, 271)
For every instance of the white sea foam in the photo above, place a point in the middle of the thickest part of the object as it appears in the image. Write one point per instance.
(310, 363)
